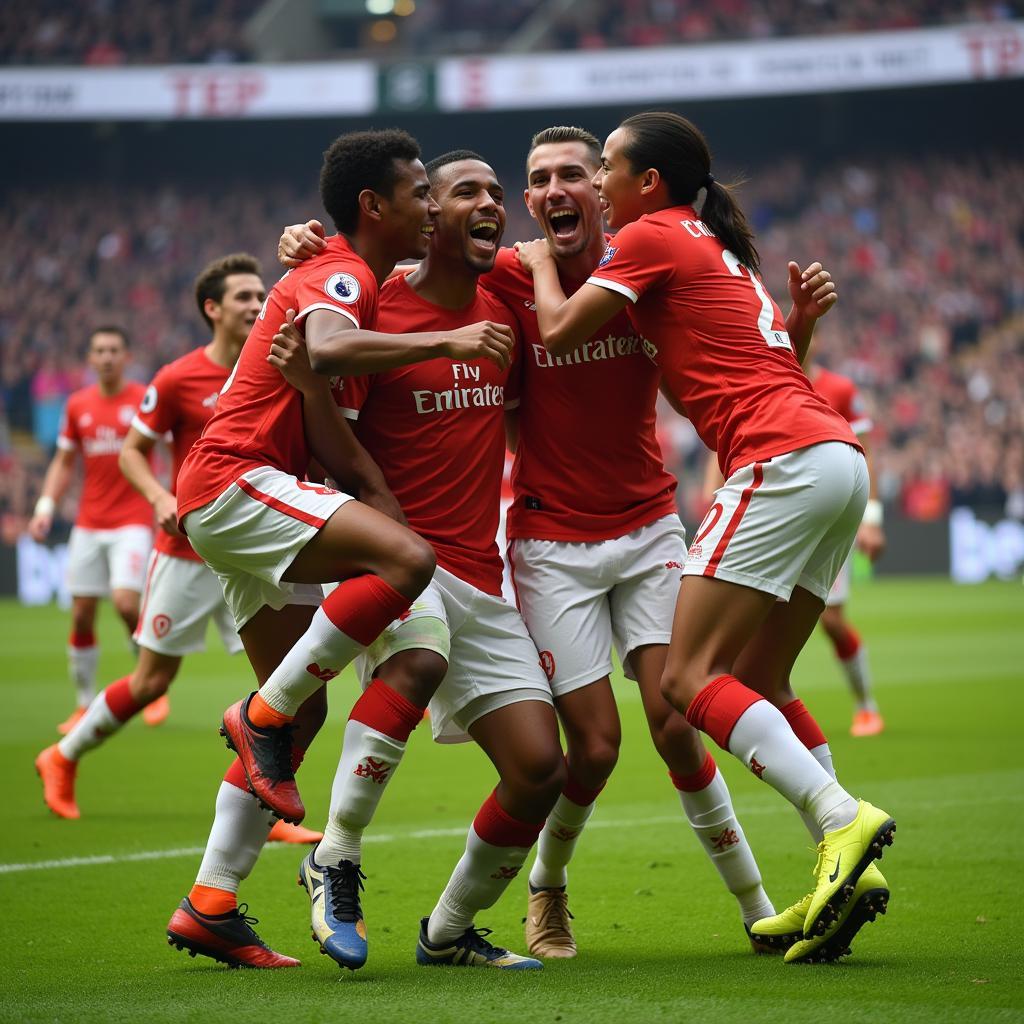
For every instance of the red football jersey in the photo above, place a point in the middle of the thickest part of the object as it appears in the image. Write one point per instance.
(97, 426)
(841, 393)
(437, 431)
(258, 420)
(719, 339)
(588, 465)
(179, 401)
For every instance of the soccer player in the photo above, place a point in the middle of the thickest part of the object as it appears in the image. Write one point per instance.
(841, 393)
(594, 564)
(436, 428)
(274, 539)
(181, 594)
(113, 531)
(795, 490)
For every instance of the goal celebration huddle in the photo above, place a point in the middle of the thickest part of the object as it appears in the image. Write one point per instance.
(339, 447)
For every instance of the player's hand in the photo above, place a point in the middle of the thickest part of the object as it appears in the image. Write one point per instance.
(299, 242)
(382, 500)
(485, 340)
(533, 254)
(166, 510)
(871, 540)
(812, 290)
(39, 527)
(289, 355)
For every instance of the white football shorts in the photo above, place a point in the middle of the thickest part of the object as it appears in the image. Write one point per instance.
(580, 598)
(100, 561)
(180, 598)
(250, 534)
(789, 521)
(492, 661)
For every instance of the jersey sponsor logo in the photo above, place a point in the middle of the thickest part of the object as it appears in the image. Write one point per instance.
(162, 625)
(488, 396)
(210, 400)
(373, 768)
(106, 442)
(547, 663)
(343, 287)
(85, 421)
(149, 400)
(594, 351)
(609, 255)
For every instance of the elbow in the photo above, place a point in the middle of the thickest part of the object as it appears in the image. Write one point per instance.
(558, 342)
(319, 363)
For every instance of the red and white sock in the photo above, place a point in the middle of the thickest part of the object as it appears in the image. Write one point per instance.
(239, 832)
(853, 659)
(351, 617)
(756, 732)
(378, 729)
(560, 834)
(708, 807)
(809, 733)
(496, 848)
(83, 656)
(104, 716)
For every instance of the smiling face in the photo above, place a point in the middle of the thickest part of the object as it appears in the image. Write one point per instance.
(561, 197)
(472, 218)
(618, 185)
(240, 306)
(408, 214)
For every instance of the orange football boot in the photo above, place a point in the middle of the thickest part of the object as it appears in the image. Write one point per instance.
(58, 775)
(156, 712)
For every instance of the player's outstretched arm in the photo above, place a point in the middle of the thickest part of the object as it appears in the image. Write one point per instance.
(134, 464)
(337, 347)
(813, 293)
(565, 323)
(55, 485)
(328, 433)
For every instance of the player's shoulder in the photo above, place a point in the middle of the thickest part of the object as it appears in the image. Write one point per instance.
(507, 274)
(83, 396)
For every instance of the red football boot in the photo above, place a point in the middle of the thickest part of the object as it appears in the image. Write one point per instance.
(228, 938)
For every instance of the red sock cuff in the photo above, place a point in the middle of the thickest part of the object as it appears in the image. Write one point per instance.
(235, 776)
(719, 706)
(387, 711)
(82, 639)
(494, 825)
(848, 645)
(803, 724)
(118, 696)
(298, 755)
(363, 606)
(699, 780)
(577, 792)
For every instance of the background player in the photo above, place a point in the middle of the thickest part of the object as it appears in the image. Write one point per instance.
(181, 594)
(113, 531)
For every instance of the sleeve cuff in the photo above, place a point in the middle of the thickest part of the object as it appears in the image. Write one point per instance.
(614, 286)
(148, 431)
(330, 307)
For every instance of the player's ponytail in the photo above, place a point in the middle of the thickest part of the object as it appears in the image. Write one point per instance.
(675, 147)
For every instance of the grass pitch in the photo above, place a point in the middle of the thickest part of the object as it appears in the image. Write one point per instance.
(660, 939)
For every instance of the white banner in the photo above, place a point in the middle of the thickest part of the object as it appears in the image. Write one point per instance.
(876, 60)
(188, 92)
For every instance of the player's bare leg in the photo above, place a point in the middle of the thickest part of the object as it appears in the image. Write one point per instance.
(383, 566)
(852, 656)
(83, 656)
(522, 742)
(702, 789)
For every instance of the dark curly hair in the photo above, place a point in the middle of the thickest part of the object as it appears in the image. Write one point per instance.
(358, 161)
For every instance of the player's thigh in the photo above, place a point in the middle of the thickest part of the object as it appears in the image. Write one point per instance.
(643, 601)
(562, 591)
(521, 740)
(129, 554)
(88, 568)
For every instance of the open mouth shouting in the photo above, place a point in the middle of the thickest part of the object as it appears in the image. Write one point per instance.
(564, 222)
(484, 235)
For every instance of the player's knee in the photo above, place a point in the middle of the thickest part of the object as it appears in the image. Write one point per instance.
(678, 690)
(540, 777)
(414, 674)
(146, 687)
(411, 564)
(678, 743)
(127, 608)
(593, 760)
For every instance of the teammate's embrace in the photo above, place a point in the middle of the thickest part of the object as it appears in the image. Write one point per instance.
(113, 532)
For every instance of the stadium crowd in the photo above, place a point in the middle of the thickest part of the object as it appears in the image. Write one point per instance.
(106, 32)
(928, 253)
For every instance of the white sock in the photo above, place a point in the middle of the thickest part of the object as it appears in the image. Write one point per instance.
(240, 829)
(858, 675)
(319, 655)
(557, 842)
(763, 740)
(368, 762)
(82, 663)
(823, 755)
(713, 820)
(479, 879)
(91, 729)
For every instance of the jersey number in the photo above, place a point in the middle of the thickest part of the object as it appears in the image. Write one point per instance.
(765, 319)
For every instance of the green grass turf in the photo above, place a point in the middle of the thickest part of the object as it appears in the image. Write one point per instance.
(660, 939)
